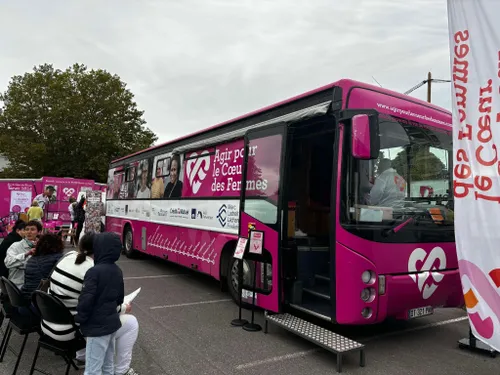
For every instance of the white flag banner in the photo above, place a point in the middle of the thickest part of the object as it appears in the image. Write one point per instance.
(475, 67)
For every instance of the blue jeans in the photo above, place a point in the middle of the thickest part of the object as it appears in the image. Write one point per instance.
(100, 355)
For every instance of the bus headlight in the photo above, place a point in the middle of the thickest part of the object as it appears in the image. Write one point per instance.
(368, 294)
(366, 313)
(368, 277)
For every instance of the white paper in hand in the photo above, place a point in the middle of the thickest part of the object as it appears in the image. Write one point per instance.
(130, 297)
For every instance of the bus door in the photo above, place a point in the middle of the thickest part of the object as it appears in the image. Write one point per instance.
(262, 210)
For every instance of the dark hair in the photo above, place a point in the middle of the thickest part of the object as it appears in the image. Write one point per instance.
(35, 223)
(85, 247)
(19, 225)
(177, 158)
(72, 199)
(49, 244)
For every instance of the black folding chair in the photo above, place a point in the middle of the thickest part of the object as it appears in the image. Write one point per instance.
(4, 300)
(24, 325)
(53, 311)
(7, 309)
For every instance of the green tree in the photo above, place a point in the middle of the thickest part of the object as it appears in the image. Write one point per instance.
(381, 156)
(68, 123)
(424, 164)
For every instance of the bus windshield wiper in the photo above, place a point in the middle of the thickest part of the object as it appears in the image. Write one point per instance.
(396, 228)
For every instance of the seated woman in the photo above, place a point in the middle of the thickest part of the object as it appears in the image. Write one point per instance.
(66, 284)
(48, 251)
(19, 252)
(16, 235)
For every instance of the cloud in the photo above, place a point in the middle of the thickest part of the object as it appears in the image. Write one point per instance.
(194, 63)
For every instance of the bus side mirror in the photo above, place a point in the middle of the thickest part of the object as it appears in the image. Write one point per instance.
(365, 138)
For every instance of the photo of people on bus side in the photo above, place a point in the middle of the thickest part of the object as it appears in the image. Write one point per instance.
(131, 180)
(174, 186)
(110, 184)
(167, 179)
(143, 188)
(162, 171)
(118, 179)
(154, 178)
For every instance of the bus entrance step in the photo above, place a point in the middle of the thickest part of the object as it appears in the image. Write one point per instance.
(320, 336)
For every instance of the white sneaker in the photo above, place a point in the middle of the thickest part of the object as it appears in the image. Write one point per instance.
(131, 371)
(79, 363)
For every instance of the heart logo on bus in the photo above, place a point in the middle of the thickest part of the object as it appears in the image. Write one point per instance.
(68, 191)
(421, 266)
(197, 168)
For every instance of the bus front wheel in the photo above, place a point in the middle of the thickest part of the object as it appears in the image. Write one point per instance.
(233, 280)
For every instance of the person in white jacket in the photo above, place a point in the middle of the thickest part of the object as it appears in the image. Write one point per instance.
(19, 253)
(389, 189)
(66, 284)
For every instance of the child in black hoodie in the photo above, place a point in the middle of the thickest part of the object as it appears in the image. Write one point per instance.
(102, 293)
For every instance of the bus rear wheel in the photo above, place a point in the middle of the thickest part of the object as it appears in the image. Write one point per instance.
(128, 243)
(232, 277)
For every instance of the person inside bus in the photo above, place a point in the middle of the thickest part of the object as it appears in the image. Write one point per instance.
(143, 191)
(389, 187)
(68, 289)
(16, 235)
(19, 253)
(44, 198)
(174, 187)
(35, 212)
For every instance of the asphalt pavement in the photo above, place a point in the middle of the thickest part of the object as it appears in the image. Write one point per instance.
(185, 329)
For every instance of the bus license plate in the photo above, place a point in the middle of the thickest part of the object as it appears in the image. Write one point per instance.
(420, 311)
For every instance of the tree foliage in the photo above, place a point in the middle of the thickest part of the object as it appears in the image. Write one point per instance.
(68, 123)
(424, 165)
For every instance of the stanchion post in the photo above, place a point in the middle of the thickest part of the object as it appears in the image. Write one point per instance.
(239, 322)
(252, 326)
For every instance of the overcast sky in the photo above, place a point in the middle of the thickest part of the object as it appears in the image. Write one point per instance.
(194, 63)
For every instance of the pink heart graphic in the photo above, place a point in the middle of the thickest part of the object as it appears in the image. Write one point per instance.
(68, 191)
(197, 168)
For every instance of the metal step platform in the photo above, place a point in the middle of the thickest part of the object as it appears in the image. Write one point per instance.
(320, 336)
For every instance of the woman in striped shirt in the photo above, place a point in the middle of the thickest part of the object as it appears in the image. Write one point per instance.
(66, 284)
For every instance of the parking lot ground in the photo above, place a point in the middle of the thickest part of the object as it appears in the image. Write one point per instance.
(185, 329)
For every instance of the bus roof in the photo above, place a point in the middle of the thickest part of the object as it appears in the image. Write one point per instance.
(343, 82)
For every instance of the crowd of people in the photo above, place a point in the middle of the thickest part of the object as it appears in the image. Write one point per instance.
(76, 209)
(87, 281)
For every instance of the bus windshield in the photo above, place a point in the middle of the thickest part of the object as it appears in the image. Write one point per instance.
(405, 195)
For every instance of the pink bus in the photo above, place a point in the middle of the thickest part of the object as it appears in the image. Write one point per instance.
(16, 196)
(350, 184)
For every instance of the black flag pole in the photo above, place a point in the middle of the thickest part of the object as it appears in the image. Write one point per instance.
(252, 326)
(256, 257)
(473, 344)
(239, 322)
